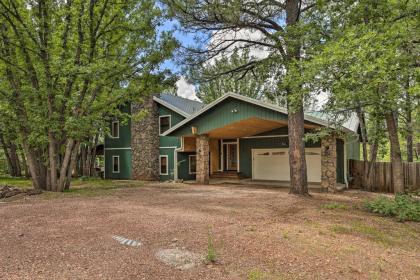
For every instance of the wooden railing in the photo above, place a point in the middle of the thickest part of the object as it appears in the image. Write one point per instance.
(380, 178)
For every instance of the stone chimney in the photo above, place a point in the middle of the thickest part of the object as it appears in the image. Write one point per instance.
(145, 141)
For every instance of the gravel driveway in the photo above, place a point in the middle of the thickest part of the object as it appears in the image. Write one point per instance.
(257, 233)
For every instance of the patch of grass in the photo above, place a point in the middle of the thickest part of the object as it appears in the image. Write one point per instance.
(403, 207)
(334, 205)
(20, 182)
(255, 274)
(366, 231)
(211, 250)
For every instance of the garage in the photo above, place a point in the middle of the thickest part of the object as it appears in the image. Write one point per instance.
(273, 164)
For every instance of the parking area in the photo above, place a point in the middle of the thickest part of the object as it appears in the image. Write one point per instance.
(255, 232)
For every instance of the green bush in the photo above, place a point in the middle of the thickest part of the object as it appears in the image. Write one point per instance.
(403, 207)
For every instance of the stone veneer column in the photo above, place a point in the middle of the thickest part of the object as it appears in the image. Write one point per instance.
(202, 159)
(329, 163)
(145, 141)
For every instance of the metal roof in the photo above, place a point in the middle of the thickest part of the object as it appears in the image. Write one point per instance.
(184, 106)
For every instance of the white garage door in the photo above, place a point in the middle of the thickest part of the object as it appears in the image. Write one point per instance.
(273, 164)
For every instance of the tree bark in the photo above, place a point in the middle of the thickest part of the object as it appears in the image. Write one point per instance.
(409, 136)
(24, 165)
(363, 133)
(297, 161)
(396, 159)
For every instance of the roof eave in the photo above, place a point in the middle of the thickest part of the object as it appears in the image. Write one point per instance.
(171, 107)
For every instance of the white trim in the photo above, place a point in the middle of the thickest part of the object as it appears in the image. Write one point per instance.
(113, 164)
(112, 130)
(189, 164)
(266, 136)
(168, 147)
(169, 106)
(110, 149)
(249, 100)
(160, 165)
(170, 123)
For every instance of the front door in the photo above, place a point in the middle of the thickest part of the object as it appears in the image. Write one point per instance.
(232, 157)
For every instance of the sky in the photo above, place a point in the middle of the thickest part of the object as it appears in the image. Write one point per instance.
(184, 88)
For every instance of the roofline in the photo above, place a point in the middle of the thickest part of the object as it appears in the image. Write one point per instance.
(172, 107)
(249, 100)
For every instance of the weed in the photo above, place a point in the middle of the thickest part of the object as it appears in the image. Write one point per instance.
(211, 250)
(403, 207)
(255, 274)
(334, 205)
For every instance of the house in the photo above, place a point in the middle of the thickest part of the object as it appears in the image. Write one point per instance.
(183, 139)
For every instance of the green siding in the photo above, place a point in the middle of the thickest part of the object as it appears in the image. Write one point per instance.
(125, 164)
(229, 111)
(118, 147)
(183, 166)
(340, 161)
(124, 140)
(170, 153)
(247, 144)
(169, 143)
(353, 147)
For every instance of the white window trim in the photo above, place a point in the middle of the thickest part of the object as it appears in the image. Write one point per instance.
(160, 165)
(113, 164)
(189, 164)
(118, 129)
(170, 123)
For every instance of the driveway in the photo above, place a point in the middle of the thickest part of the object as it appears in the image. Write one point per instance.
(255, 231)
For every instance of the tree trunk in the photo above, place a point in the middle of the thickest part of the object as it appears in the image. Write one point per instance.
(93, 156)
(409, 137)
(14, 160)
(363, 133)
(396, 160)
(297, 161)
(73, 162)
(24, 165)
(37, 168)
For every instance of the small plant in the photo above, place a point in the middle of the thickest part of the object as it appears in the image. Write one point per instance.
(255, 274)
(211, 250)
(334, 205)
(403, 207)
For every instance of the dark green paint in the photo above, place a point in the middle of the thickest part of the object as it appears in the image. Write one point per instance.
(125, 164)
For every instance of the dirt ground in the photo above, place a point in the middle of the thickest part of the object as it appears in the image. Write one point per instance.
(256, 233)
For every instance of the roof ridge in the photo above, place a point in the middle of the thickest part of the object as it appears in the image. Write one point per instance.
(180, 97)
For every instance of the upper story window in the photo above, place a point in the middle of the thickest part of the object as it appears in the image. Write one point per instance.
(115, 129)
(164, 123)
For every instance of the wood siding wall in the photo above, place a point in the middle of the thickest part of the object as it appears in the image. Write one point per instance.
(380, 179)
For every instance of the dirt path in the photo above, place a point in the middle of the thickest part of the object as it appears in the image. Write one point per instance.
(258, 233)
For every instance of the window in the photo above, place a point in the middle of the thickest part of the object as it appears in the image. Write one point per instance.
(193, 164)
(164, 123)
(115, 129)
(115, 164)
(163, 162)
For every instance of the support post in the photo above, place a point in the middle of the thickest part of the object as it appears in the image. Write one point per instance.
(202, 157)
(329, 163)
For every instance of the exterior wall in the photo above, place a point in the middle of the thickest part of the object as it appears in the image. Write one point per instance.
(352, 147)
(119, 147)
(183, 166)
(125, 164)
(145, 142)
(247, 144)
(168, 144)
(231, 110)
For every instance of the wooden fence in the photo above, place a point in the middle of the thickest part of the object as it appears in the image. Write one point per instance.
(380, 179)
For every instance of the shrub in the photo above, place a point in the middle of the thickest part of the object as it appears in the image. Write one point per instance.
(403, 207)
